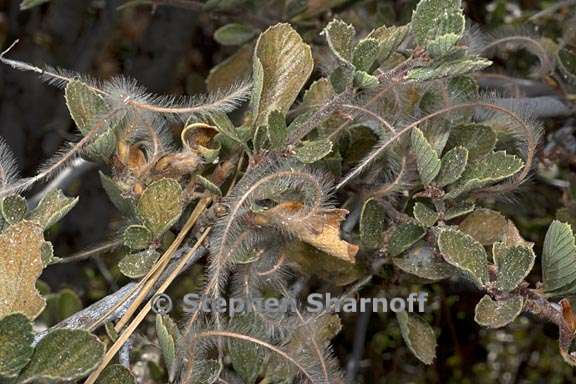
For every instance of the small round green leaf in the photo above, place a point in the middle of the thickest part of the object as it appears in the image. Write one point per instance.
(418, 336)
(116, 374)
(16, 339)
(372, 224)
(136, 265)
(427, 159)
(137, 237)
(514, 263)
(484, 225)
(14, 208)
(496, 314)
(403, 237)
(425, 215)
(465, 253)
(311, 151)
(63, 355)
(160, 205)
(234, 34)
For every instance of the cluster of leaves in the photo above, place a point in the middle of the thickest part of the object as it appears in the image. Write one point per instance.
(396, 130)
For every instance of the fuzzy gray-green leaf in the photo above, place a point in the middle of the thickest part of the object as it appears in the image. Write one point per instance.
(418, 336)
(403, 237)
(484, 171)
(160, 205)
(427, 159)
(465, 253)
(283, 64)
(434, 18)
(123, 204)
(389, 38)
(14, 208)
(458, 210)
(63, 355)
(425, 215)
(484, 225)
(137, 237)
(53, 206)
(453, 165)
(116, 374)
(168, 335)
(478, 139)
(365, 80)
(448, 67)
(340, 37)
(16, 339)
(234, 34)
(513, 264)
(559, 259)
(365, 54)
(496, 314)
(136, 265)
(311, 151)
(87, 107)
(422, 261)
(372, 223)
(277, 130)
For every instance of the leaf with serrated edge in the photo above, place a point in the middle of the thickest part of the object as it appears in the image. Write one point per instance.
(433, 18)
(426, 157)
(453, 165)
(64, 354)
(484, 225)
(160, 205)
(16, 339)
(513, 264)
(403, 237)
(484, 171)
(340, 37)
(496, 314)
(20, 266)
(372, 223)
(283, 65)
(116, 374)
(558, 258)
(447, 67)
(418, 336)
(465, 253)
(53, 206)
(425, 215)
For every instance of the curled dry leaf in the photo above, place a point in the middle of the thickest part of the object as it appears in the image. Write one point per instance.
(321, 229)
